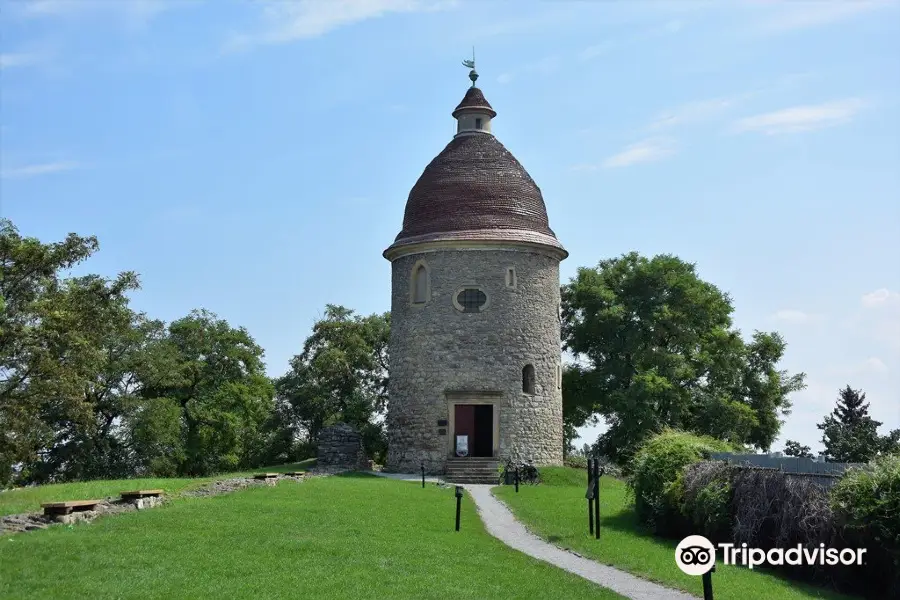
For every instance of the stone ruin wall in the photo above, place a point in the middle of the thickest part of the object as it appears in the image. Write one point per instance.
(340, 447)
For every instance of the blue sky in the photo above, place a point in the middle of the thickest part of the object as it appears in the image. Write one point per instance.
(254, 158)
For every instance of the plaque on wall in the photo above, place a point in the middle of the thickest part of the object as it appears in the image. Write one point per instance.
(442, 431)
(442, 422)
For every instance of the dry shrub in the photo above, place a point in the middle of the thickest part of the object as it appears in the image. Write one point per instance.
(768, 508)
(706, 498)
(576, 462)
(776, 510)
(773, 509)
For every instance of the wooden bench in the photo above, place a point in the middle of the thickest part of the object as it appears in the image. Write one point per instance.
(265, 476)
(137, 494)
(65, 508)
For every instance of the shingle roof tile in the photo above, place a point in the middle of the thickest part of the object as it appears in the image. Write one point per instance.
(475, 189)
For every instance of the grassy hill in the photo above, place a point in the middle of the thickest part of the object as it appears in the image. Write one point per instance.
(29, 499)
(336, 537)
(557, 511)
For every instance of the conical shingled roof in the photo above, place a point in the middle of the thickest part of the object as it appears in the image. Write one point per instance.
(474, 99)
(475, 190)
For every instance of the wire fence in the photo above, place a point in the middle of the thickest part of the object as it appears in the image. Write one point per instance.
(823, 473)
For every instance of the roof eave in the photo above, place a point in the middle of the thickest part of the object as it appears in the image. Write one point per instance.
(460, 110)
(494, 238)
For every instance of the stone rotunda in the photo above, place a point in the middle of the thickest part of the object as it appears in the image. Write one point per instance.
(475, 374)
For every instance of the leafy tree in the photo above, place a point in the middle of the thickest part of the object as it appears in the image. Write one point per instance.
(90, 389)
(341, 375)
(659, 351)
(154, 433)
(578, 404)
(44, 356)
(850, 434)
(792, 448)
(112, 351)
(215, 374)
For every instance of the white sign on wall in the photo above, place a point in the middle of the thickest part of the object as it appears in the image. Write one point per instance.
(462, 445)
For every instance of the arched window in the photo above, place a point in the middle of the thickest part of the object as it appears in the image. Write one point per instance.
(420, 285)
(528, 379)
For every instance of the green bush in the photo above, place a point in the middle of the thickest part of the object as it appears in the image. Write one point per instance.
(866, 503)
(576, 462)
(655, 472)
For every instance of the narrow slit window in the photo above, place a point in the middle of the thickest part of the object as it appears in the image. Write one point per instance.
(528, 379)
(420, 285)
(477, 123)
(511, 277)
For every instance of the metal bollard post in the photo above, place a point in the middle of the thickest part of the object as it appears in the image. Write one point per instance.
(459, 495)
(517, 479)
(597, 498)
(590, 495)
(423, 473)
(707, 584)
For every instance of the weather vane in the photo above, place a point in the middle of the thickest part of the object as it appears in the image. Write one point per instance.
(470, 64)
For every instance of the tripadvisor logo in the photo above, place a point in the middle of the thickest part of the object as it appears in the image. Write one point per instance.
(696, 555)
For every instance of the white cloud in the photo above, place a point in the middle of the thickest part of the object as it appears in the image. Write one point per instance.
(20, 59)
(880, 297)
(673, 26)
(644, 151)
(797, 317)
(803, 15)
(286, 22)
(133, 12)
(881, 317)
(872, 364)
(692, 112)
(36, 170)
(592, 52)
(798, 119)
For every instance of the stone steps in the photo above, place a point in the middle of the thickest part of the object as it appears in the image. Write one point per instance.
(472, 470)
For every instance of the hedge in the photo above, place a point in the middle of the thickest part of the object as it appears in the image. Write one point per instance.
(655, 476)
(866, 505)
(766, 508)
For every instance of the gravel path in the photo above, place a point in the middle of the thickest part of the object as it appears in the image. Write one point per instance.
(501, 524)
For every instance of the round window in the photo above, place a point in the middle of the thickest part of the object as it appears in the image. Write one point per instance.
(470, 300)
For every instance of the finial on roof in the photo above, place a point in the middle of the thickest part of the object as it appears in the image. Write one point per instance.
(470, 64)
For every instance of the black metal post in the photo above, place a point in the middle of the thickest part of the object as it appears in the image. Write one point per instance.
(707, 584)
(459, 495)
(517, 479)
(423, 473)
(590, 495)
(597, 498)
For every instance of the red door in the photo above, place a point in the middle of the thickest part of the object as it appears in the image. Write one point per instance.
(464, 422)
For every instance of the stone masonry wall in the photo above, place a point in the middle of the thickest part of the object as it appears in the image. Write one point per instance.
(341, 446)
(437, 349)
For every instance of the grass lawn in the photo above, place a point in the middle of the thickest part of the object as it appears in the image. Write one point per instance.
(29, 499)
(557, 511)
(336, 537)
